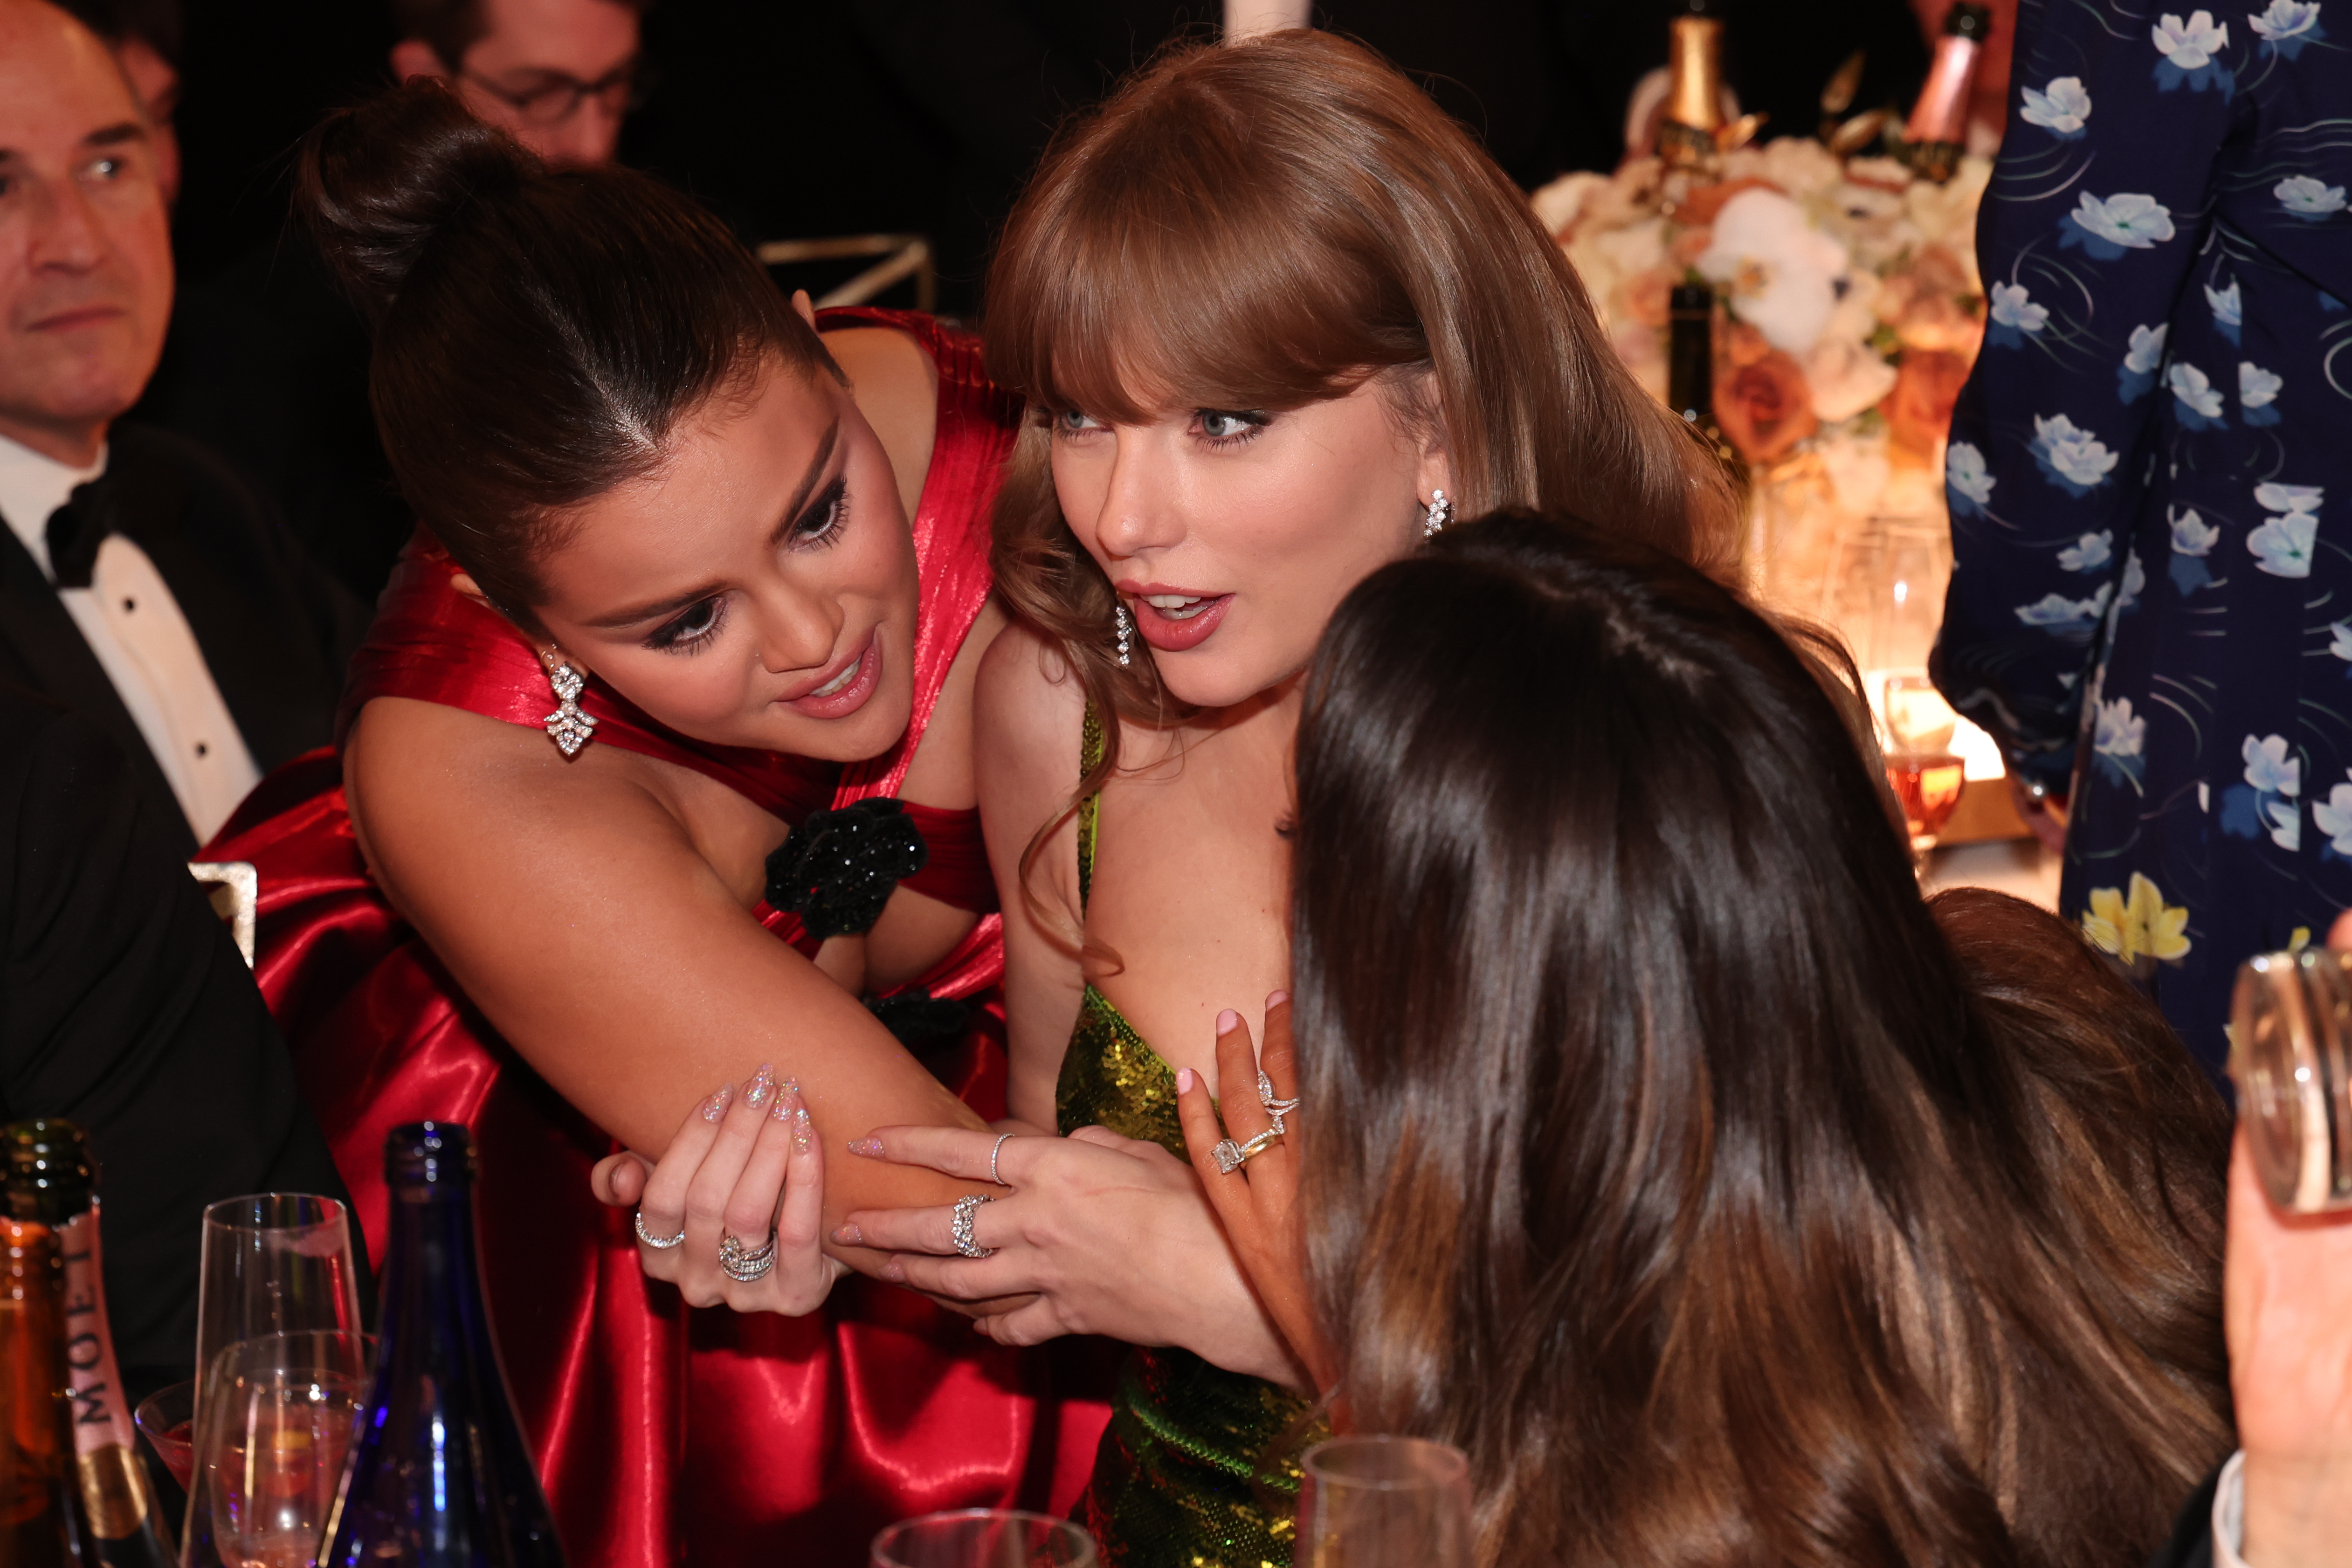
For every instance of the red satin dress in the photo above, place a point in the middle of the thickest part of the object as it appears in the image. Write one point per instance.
(663, 1434)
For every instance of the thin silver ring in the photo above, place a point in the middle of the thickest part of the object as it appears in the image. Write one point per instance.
(745, 1267)
(1232, 1156)
(657, 1242)
(959, 1229)
(993, 1150)
(1276, 1109)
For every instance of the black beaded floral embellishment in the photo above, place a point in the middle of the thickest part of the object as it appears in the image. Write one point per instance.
(839, 868)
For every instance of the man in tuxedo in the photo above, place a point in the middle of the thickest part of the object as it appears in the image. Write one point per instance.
(125, 1008)
(142, 584)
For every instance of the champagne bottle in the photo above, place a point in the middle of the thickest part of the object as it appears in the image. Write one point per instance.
(1694, 109)
(1690, 370)
(50, 1179)
(439, 1476)
(1938, 130)
(42, 1522)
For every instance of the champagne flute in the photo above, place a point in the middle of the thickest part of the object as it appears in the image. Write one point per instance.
(272, 1434)
(273, 1263)
(1385, 1503)
(984, 1538)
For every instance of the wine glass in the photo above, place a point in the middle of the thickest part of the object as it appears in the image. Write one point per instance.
(984, 1538)
(274, 1429)
(1385, 1503)
(1921, 767)
(273, 1263)
(168, 1418)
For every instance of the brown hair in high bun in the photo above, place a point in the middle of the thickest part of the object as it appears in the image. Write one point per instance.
(538, 334)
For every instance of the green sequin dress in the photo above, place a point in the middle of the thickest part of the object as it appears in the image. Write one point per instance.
(1188, 1474)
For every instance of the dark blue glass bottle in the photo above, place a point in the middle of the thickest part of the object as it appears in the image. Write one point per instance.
(439, 1475)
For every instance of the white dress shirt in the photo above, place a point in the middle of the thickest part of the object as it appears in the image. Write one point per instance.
(141, 640)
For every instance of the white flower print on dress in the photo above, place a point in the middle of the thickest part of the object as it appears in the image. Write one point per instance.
(2147, 348)
(2282, 546)
(2275, 496)
(2089, 552)
(2192, 535)
(2287, 26)
(2058, 610)
(2061, 107)
(2190, 45)
(2013, 307)
(2072, 458)
(2257, 390)
(2119, 734)
(2305, 197)
(2229, 308)
(2135, 582)
(2128, 220)
(2200, 400)
(2341, 643)
(2333, 816)
(2286, 823)
(1967, 483)
(2269, 768)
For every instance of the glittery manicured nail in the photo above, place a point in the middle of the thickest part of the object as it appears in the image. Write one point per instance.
(893, 1272)
(716, 1106)
(787, 1096)
(762, 1085)
(849, 1236)
(804, 1135)
(870, 1147)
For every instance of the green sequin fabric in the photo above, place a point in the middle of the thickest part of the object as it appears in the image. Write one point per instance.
(1199, 1467)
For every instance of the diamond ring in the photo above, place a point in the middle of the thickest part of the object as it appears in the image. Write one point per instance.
(1231, 1156)
(959, 1230)
(995, 1150)
(745, 1267)
(1278, 1109)
(659, 1244)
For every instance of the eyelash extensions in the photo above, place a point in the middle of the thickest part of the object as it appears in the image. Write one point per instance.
(819, 527)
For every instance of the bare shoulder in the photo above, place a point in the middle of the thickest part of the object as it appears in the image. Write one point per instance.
(1028, 710)
(896, 386)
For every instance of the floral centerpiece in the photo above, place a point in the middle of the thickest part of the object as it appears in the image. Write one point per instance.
(1852, 314)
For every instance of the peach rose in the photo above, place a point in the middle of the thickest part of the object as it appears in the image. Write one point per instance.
(1764, 406)
(1919, 410)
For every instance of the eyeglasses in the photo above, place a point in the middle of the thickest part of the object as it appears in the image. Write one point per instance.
(555, 97)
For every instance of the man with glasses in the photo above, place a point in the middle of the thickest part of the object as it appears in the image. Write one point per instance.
(560, 74)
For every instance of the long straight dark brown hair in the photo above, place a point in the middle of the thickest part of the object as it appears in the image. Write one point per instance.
(1269, 222)
(1727, 1202)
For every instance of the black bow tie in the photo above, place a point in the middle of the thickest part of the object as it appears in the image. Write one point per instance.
(75, 530)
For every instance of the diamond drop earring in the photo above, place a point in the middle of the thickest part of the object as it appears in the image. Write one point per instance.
(1125, 623)
(1439, 513)
(568, 727)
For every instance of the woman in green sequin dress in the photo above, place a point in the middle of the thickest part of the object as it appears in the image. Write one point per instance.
(1276, 316)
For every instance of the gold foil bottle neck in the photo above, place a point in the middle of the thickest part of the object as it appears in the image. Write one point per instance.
(1694, 73)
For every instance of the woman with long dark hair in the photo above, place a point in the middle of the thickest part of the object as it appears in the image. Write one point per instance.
(694, 615)
(1659, 1145)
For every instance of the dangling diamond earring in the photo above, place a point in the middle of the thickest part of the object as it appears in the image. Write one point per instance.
(568, 727)
(1124, 622)
(1440, 514)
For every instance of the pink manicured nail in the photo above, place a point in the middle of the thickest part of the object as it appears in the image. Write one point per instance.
(870, 1147)
(1228, 1021)
(893, 1272)
(804, 1135)
(762, 1085)
(1276, 1000)
(849, 1236)
(1183, 1081)
(786, 1098)
(716, 1106)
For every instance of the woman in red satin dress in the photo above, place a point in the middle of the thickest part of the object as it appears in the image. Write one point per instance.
(764, 553)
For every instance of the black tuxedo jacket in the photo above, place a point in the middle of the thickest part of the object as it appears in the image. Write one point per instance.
(274, 630)
(124, 1007)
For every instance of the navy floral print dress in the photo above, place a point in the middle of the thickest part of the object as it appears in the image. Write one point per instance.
(2150, 478)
